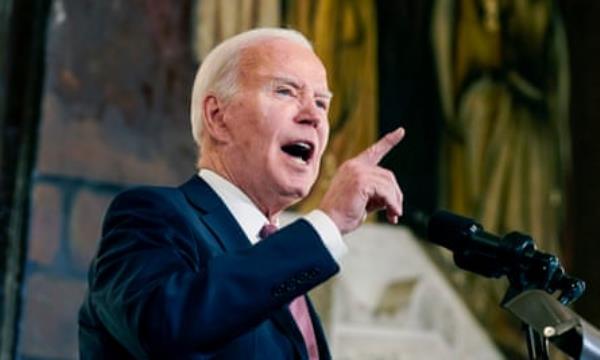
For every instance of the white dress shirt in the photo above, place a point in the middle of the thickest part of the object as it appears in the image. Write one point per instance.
(251, 220)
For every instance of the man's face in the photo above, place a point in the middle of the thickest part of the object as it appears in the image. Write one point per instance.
(277, 123)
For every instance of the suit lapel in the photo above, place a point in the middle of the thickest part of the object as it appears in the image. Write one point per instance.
(214, 214)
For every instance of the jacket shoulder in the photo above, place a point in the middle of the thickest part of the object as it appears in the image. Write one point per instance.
(147, 196)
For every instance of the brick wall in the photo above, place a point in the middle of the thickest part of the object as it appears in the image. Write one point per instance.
(115, 114)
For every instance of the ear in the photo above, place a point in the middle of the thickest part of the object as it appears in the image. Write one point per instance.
(214, 118)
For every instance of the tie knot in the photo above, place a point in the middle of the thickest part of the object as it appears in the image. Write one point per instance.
(267, 230)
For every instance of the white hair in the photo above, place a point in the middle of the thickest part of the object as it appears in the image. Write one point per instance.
(219, 71)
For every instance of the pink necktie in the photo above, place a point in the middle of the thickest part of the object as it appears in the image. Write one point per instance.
(299, 309)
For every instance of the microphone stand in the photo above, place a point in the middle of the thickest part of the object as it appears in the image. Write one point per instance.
(537, 346)
(558, 324)
(526, 269)
(513, 256)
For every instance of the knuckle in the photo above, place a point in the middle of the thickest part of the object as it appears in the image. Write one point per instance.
(372, 151)
(389, 175)
(359, 182)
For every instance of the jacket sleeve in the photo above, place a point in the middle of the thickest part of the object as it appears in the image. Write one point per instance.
(156, 287)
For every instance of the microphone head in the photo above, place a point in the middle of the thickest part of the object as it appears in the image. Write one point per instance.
(416, 219)
(450, 230)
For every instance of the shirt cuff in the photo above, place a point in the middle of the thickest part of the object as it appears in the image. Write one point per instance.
(328, 232)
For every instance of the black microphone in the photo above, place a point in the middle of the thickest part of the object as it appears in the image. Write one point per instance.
(456, 233)
(474, 249)
(513, 255)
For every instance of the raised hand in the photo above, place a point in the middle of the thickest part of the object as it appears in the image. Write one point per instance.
(361, 186)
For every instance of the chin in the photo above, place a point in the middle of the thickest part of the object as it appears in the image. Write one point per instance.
(295, 188)
(297, 193)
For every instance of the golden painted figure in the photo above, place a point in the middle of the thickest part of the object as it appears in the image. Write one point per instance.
(504, 84)
(217, 20)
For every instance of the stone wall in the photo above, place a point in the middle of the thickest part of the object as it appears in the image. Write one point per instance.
(391, 302)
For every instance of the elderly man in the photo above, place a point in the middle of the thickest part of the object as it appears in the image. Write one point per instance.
(200, 271)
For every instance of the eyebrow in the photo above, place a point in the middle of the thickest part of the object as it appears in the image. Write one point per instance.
(293, 83)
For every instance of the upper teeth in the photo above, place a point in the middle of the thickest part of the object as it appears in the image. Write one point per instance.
(304, 145)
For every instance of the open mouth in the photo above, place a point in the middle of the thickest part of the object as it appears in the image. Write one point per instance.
(302, 151)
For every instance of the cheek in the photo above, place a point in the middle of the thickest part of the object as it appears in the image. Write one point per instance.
(266, 116)
(325, 135)
(249, 130)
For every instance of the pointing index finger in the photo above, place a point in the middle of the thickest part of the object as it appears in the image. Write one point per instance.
(374, 153)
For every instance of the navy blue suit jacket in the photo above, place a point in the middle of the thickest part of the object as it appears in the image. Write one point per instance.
(175, 277)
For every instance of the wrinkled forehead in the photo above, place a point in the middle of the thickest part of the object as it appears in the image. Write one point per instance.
(282, 58)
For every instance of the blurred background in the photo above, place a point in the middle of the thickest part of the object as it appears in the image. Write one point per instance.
(499, 99)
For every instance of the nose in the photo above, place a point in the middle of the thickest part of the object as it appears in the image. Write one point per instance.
(310, 114)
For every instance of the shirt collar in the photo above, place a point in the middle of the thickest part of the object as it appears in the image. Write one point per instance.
(245, 212)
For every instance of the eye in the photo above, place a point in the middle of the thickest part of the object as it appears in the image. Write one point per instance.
(321, 104)
(285, 90)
